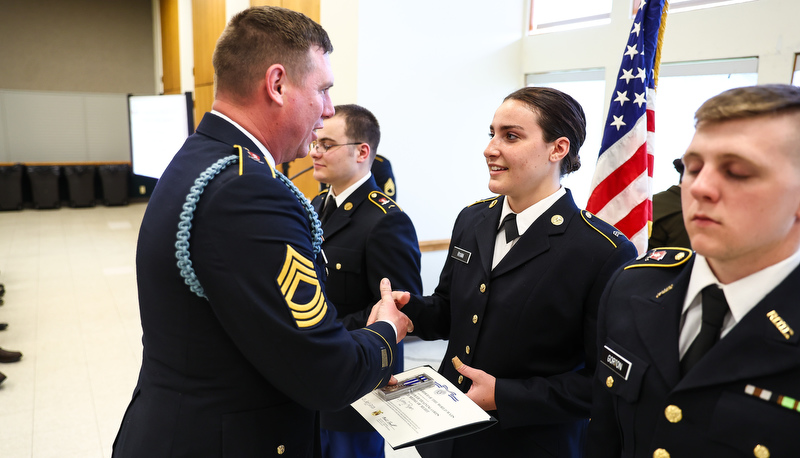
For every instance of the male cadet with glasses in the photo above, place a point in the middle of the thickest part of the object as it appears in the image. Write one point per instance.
(366, 237)
(698, 352)
(241, 346)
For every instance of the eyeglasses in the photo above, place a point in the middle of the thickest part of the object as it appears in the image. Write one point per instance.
(325, 147)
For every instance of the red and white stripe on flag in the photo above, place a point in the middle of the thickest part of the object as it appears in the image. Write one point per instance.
(622, 186)
(622, 182)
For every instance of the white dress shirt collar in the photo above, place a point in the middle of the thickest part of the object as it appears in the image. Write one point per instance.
(342, 196)
(267, 155)
(525, 219)
(741, 295)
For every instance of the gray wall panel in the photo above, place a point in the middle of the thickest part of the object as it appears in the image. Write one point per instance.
(45, 127)
(77, 46)
(107, 128)
(64, 127)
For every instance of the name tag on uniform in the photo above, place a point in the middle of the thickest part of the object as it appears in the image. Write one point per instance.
(615, 362)
(460, 254)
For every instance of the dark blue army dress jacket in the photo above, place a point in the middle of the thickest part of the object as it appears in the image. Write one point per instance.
(739, 400)
(241, 372)
(366, 238)
(530, 322)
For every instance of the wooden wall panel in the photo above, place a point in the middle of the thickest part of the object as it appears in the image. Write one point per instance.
(208, 21)
(308, 7)
(203, 99)
(266, 3)
(304, 182)
(170, 47)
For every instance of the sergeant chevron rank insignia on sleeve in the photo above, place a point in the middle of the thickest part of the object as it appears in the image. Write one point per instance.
(301, 289)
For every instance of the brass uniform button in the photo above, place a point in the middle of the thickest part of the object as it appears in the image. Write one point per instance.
(467, 349)
(460, 379)
(348, 206)
(483, 287)
(610, 381)
(494, 202)
(281, 449)
(474, 319)
(660, 453)
(673, 413)
(680, 256)
(338, 266)
(557, 220)
(761, 452)
(373, 195)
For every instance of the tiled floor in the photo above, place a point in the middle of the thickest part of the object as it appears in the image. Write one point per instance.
(71, 307)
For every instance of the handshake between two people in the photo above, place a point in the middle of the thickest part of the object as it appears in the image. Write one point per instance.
(388, 309)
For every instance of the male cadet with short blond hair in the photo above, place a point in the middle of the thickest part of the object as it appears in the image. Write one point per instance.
(367, 237)
(698, 354)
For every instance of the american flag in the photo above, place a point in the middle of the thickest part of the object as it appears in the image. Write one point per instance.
(621, 191)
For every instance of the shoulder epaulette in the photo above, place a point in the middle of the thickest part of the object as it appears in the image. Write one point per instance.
(608, 231)
(245, 152)
(383, 201)
(663, 257)
(490, 199)
(324, 191)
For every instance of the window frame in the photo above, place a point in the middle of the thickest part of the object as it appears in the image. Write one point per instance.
(594, 20)
(690, 5)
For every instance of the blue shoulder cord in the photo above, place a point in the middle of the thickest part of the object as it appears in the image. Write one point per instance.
(185, 225)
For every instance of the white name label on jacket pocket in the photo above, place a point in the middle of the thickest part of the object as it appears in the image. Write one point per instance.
(460, 254)
(615, 362)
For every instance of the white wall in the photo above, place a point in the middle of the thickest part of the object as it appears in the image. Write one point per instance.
(433, 73)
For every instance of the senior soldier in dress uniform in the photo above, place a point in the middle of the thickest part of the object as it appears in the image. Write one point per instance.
(699, 351)
(367, 237)
(518, 300)
(241, 346)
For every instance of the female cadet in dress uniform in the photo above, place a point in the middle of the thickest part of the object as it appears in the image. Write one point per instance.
(518, 302)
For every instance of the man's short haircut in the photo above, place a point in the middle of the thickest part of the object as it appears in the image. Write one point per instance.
(259, 37)
(750, 101)
(559, 115)
(360, 126)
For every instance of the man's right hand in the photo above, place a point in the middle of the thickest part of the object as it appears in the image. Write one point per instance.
(387, 310)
